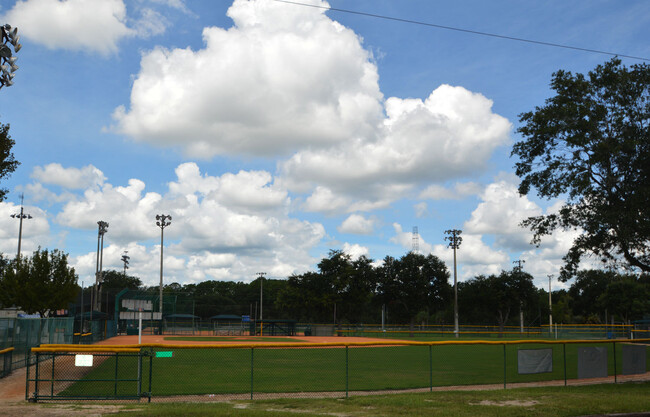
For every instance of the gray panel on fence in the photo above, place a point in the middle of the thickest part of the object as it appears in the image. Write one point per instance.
(634, 359)
(592, 362)
(535, 361)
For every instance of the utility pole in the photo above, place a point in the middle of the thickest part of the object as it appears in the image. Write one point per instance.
(518, 270)
(454, 242)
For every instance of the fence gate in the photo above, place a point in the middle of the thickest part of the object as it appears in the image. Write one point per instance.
(85, 374)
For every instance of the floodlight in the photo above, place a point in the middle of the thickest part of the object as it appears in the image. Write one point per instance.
(17, 47)
(5, 52)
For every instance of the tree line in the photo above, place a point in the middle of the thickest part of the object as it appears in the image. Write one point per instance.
(413, 289)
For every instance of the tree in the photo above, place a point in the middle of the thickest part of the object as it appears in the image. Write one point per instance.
(39, 284)
(497, 297)
(7, 162)
(115, 281)
(590, 144)
(412, 284)
(626, 298)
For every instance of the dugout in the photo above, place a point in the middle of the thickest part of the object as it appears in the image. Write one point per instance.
(273, 327)
(181, 324)
(227, 325)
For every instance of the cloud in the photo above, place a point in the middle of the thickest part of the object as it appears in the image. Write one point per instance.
(501, 211)
(357, 224)
(452, 133)
(246, 191)
(355, 251)
(282, 78)
(94, 26)
(72, 178)
(224, 227)
(459, 191)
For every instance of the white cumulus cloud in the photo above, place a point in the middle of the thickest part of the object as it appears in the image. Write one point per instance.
(282, 78)
(357, 224)
(89, 25)
(73, 178)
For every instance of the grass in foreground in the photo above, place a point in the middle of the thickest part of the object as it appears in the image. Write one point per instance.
(220, 371)
(551, 401)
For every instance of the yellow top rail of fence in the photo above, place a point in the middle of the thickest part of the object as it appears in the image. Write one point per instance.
(7, 350)
(135, 348)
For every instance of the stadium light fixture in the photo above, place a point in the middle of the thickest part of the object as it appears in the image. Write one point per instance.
(454, 242)
(8, 38)
(102, 228)
(22, 215)
(162, 221)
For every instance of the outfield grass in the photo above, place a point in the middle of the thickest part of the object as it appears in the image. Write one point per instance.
(274, 370)
(540, 402)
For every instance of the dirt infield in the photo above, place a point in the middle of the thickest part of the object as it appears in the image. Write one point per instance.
(133, 340)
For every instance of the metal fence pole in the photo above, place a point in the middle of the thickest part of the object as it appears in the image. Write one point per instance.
(614, 345)
(117, 355)
(139, 373)
(150, 372)
(27, 378)
(52, 381)
(430, 370)
(347, 373)
(36, 378)
(564, 358)
(504, 366)
(252, 355)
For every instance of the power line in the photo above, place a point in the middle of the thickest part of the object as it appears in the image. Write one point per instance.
(473, 32)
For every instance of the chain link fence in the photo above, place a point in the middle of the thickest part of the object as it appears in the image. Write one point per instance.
(22, 334)
(254, 371)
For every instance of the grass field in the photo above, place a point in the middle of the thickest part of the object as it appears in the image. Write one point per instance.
(540, 402)
(274, 370)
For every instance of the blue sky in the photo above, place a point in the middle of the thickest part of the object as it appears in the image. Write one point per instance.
(274, 132)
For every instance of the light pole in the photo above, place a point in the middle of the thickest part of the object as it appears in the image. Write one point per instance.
(454, 242)
(21, 216)
(261, 275)
(518, 269)
(550, 306)
(162, 221)
(8, 67)
(102, 227)
(125, 259)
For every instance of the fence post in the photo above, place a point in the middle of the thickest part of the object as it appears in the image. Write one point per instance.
(504, 366)
(150, 372)
(27, 377)
(614, 345)
(252, 350)
(564, 358)
(430, 370)
(347, 373)
(36, 378)
(139, 373)
(52, 380)
(117, 355)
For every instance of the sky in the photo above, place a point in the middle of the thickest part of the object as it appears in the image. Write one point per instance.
(273, 132)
